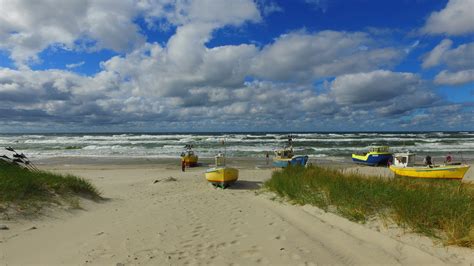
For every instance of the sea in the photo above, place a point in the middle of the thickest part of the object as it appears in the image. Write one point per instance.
(329, 145)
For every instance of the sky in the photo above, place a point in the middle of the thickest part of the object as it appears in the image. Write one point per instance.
(236, 65)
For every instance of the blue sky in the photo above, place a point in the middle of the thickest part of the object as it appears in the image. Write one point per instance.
(236, 65)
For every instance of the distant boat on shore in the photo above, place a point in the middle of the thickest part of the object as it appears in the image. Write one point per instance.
(377, 155)
(188, 157)
(285, 157)
(404, 165)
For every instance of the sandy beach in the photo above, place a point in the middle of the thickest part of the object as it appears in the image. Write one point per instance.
(155, 214)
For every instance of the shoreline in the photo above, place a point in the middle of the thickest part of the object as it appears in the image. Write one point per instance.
(346, 166)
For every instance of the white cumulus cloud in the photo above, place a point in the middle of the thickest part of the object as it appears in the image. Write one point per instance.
(455, 19)
(305, 56)
(74, 65)
(217, 12)
(459, 63)
(29, 27)
(379, 85)
(435, 57)
(456, 78)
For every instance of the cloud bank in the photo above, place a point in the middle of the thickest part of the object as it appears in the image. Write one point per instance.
(305, 80)
(455, 19)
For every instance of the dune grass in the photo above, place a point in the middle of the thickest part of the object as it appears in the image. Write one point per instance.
(28, 189)
(443, 209)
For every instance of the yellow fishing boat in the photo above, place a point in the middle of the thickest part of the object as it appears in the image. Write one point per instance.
(446, 171)
(188, 157)
(222, 176)
(404, 165)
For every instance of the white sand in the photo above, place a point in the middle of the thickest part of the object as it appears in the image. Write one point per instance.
(189, 222)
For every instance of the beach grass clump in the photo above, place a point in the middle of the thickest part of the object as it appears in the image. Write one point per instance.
(443, 209)
(21, 186)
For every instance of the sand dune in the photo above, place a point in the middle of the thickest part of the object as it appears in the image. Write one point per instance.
(187, 221)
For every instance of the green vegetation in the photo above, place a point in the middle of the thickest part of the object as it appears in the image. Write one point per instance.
(29, 190)
(443, 209)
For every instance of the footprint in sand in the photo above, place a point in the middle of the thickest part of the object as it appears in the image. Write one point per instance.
(145, 255)
(303, 250)
(252, 252)
(221, 245)
(306, 263)
(183, 254)
(187, 246)
(261, 261)
(280, 237)
(255, 256)
(240, 235)
(99, 253)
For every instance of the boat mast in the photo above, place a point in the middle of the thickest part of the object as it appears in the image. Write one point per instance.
(225, 150)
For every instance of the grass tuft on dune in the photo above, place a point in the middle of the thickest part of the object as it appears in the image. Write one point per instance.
(25, 188)
(443, 209)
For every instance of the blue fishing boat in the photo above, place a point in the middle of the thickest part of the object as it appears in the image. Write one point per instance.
(378, 155)
(285, 157)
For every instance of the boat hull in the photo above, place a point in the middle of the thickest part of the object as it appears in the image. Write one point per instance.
(448, 171)
(222, 176)
(295, 160)
(372, 159)
(190, 161)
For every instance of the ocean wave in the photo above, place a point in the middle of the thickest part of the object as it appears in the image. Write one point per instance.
(339, 145)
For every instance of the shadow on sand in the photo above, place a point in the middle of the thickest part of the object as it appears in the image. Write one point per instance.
(246, 185)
